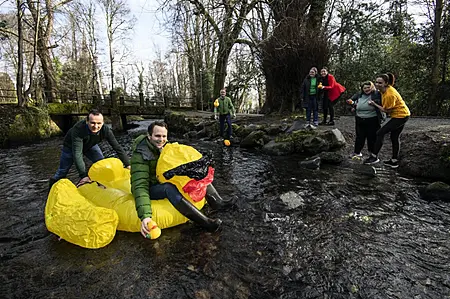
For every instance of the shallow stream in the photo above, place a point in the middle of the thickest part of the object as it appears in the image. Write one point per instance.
(294, 233)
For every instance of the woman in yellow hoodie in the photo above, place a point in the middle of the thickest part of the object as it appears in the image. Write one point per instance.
(392, 104)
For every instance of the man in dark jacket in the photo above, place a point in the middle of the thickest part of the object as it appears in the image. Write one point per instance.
(145, 186)
(83, 139)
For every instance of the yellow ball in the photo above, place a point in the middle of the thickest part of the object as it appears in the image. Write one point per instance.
(226, 142)
(155, 231)
(216, 103)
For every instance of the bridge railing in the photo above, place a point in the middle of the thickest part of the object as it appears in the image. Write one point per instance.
(108, 99)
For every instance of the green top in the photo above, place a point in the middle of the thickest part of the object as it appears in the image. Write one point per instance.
(225, 106)
(312, 87)
(143, 174)
(80, 139)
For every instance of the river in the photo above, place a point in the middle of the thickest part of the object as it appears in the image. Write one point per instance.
(346, 237)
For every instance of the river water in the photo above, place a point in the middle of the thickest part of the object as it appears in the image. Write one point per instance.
(345, 236)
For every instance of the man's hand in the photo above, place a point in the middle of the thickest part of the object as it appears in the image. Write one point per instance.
(144, 227)
(233, 115)
(84, 181)
(128, 167)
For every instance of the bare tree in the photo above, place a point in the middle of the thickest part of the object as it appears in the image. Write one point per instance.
(44, 34)
(118, 24)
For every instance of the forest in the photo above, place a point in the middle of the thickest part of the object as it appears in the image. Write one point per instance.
(259, 50)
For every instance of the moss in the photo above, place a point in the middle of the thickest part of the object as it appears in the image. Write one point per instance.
(295, 136)
(69, 108)
(21, 125)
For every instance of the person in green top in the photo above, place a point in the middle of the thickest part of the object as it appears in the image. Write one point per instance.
(145, 186)
(83, 139)
(309, 93)
(225, 108)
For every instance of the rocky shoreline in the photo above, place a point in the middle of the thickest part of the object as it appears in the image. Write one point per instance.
(425, 143)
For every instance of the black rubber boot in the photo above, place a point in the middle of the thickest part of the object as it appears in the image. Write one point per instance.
(189, 211)
(215, 200)
(51, 181)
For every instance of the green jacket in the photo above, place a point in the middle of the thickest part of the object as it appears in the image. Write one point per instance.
(143, 174)
(225, 106)
(80, 139)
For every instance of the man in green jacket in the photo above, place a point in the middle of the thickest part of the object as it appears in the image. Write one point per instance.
(83, 139)
(225, 108)
(145, 186)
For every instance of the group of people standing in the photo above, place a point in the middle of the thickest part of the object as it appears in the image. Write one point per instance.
(316, 87)
(371, 105)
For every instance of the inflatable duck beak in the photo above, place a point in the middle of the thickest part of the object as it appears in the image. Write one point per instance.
(201, 174)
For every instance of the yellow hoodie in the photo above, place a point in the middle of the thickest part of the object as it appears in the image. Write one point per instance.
(393, 101)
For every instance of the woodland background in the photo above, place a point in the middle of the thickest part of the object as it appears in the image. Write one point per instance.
(260, 50)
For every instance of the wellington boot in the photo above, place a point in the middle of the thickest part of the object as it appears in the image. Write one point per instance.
(215, 200)
(189, 211)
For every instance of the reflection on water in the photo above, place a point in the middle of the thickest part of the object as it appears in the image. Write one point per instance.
(349, 237)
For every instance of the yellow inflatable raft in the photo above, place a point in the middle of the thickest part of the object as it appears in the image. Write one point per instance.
(89, 216)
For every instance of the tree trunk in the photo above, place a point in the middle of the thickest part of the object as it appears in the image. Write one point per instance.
(43, 50)
(432, 104)
(221, 67)
(297, 44)
(19, 79)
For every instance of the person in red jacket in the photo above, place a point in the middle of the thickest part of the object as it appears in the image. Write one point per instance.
(331, 92)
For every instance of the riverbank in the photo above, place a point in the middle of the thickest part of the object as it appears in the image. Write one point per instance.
(425, 142)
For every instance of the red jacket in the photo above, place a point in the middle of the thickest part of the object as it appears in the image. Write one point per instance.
(334, 89)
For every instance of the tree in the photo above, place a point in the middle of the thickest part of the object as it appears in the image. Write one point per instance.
(44, 33)
(118, 24)
(297, 43)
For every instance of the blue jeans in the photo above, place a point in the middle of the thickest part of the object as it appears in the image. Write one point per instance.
(66, 161)
(312, 107)
(165, 190)
(222, 119)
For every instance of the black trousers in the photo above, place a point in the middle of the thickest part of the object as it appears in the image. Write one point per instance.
(366, 128)
(395, 127)
(328, 106)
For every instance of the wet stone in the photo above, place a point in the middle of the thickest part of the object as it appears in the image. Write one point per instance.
(292, 200)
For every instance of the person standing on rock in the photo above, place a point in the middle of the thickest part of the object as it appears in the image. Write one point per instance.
(83, 139)
(393, 105)
(224, 107)
(367, 119)
(331, 91)
(309, 94)
(145, 186)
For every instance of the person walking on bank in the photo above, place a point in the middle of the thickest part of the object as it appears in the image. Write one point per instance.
(393, 105)
(368, 118)
(309, 93)
(331, 91)
(83, 139)
(145, 186)
(224, 106)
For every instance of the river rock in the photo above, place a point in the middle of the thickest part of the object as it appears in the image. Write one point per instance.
(292, 200)
(334, 158)
(254, 139)
(313, 163)
(436, 191)
(365, 170)
(278, 148)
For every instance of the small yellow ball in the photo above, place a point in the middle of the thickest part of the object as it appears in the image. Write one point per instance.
(155, 231)
(226, 142)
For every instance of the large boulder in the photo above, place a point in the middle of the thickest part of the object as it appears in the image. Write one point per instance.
(254, 139)
(274, 148)
(436, 191)
(426, 154)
